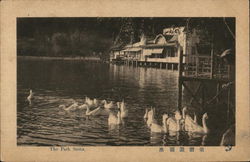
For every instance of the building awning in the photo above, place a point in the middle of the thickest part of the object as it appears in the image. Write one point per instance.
(149, 51)
(157, 50)
(134, 49)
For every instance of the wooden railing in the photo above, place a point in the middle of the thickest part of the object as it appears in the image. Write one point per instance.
(199, 66)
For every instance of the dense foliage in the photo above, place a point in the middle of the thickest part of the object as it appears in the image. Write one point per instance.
(96, 36)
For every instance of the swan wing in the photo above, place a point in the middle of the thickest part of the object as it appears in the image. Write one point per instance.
(112, 119)
(124, 113)
(192, 126)
(197, 129)
(156, 128)
(172, 125)
(189, 123)
(108, 106)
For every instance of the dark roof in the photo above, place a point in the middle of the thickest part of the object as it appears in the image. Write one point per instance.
(159, 45)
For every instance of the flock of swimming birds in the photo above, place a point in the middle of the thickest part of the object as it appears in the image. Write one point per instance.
(118, 111)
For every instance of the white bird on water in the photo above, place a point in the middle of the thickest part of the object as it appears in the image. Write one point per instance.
(90, 102)
(72, 107)
(150, 116)
(196, 128)
(108, 105)
(156, 128)
(188, 121)
(30, 97)
(123, 109)
(113, 119)
(173, 123)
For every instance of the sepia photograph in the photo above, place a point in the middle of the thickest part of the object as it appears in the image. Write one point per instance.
(125, 81)
(141, 80)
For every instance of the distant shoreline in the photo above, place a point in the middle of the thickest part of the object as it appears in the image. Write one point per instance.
(59, 58)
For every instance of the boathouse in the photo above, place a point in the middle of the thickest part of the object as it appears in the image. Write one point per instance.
(163, 50)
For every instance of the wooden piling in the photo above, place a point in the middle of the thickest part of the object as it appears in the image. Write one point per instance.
(180, 82)
(217, 92)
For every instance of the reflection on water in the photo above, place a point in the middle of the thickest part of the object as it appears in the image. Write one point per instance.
(60, 82)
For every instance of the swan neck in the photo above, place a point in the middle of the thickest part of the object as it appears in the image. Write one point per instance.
(195, 118)
(119, 118)
(183, 113)
(165, 126)
(204, 125)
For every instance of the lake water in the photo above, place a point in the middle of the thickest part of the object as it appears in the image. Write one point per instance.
(54, 83)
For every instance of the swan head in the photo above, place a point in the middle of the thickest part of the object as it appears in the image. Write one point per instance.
(182, 121)
(177, 115)
(30, 91)
(205, 116)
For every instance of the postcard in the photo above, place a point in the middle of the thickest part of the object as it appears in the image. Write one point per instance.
(125, 80)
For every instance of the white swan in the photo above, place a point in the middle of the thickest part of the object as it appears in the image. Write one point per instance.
(124, 110)
(95, 101)
(174, 123)
(156, 128)
(88, 101)
(150, 117)
(113, 119)
(118, 105)
(108, 105)
(94, 112)
(188, 121)
(102, 101)
(72, 107)
(30, 97)
(196, 128)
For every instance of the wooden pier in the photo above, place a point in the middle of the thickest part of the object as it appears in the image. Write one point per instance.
(138, 63)
(205, 70)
